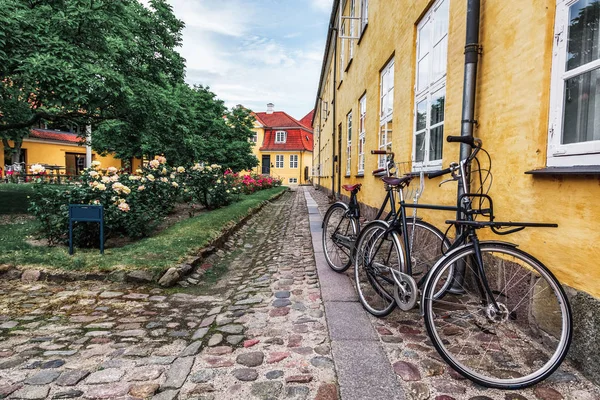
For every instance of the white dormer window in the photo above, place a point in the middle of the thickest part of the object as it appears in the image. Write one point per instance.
(280, 136)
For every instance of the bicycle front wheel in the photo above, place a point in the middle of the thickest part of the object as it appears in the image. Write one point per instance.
(378, 254)
(513, 346)
(427, 245)
(339, 235)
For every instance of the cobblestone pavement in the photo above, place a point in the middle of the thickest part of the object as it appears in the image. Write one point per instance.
(258, 333)
(424, 375)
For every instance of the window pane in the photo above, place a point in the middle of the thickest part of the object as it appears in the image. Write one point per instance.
(438, 100)
(584, 18)
(420, 147)
(423, 74)
(422, 115)
(582, 108)
(435, 143)
(424, 40)
(440, 56)
(441, 21)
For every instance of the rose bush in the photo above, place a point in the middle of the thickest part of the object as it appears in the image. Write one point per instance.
(135, 204)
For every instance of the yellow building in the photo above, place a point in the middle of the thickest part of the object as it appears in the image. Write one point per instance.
(283, 146)
(62, 152)
(393, 75)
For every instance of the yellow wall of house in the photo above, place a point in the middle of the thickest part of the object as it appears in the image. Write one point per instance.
(54, 154)
(285, 173)
(512, 109)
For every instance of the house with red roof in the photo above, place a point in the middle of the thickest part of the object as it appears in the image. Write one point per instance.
(283, 145)
(61, 151)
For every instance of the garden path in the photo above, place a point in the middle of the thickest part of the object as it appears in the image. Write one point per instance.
(258, 333)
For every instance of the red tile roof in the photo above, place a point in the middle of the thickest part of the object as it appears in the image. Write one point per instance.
(307, 119)
(297, 140)
(278, 119)
(55, 136)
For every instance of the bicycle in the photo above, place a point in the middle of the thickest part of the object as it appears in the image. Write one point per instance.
(341, 224)
(493, 312)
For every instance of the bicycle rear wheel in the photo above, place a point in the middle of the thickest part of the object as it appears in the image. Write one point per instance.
(339, 235)
(378, 252)
(519, 345)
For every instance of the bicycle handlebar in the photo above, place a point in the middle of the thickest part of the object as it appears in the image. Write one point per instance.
(435, 174)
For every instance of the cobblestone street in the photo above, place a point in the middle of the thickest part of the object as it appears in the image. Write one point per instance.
(259, 331)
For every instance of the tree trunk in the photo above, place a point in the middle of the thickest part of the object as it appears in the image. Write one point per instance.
(16, 152)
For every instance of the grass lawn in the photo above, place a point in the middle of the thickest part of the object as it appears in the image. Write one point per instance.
(13, 198)
(153, 253)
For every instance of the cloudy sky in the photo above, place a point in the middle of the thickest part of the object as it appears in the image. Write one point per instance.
(253, 52)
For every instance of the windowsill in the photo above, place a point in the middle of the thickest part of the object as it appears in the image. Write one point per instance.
(347, 176)
(349, 64)
(362, 33)
(574, 170)
(360, 175)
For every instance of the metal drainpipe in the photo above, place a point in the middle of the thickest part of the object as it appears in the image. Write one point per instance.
(333, 107)
(319, 141)
(468, 108)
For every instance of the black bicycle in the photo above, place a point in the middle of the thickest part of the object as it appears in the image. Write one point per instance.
(495, 313)
(341, 226)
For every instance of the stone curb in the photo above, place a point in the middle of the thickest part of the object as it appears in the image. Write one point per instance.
(8, 272)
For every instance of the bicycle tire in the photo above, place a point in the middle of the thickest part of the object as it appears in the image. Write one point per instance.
(429, 245)
(376, 251)
(337, 220)
(516, 348)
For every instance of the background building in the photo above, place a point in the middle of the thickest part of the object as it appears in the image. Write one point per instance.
(283, 146)
(392, 77)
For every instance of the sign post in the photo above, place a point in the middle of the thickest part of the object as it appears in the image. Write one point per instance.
(86, 213)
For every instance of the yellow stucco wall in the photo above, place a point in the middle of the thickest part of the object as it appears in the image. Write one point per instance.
(512, 110)
(43, 152)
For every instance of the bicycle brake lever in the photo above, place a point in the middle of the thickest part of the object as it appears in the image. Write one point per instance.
(447, 180)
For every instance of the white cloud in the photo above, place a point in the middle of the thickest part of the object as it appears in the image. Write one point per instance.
(323, 5)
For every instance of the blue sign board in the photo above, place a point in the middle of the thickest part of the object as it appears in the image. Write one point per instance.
(86, 213)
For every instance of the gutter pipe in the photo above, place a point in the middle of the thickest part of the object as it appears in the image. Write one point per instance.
(472, 49)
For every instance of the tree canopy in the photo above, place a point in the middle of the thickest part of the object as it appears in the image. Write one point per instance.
(113, 65)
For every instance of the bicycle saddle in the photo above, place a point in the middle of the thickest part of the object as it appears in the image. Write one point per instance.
(396, 181)
(351, 188)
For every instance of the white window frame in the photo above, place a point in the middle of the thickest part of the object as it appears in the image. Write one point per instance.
(352, 26)
(435, 84)
(566, 155)
(362, 133)
(280, 136)
(254, 138)
(349, 143)
(293, 180)
(342, 50)
(364, 14)
(386, 108)
(293, 160)
(279, 161)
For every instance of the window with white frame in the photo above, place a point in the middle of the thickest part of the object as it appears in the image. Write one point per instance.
(342, 50)
(293, 180)
(280, 136)
(254, 138)
(352, 25)
(430, 87)
(386, 109)
(279, 161)
(349, 144)
(294, 161)
(574, 128)
(362, 130)
(364, 14)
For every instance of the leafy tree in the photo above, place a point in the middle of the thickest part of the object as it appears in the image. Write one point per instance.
(81, 60)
